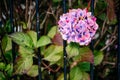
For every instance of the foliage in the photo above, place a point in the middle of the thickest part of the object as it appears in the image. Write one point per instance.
(50, 44)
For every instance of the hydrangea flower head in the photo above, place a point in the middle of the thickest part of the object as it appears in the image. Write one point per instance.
(78, 25)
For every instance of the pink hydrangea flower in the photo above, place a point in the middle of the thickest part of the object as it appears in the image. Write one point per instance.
(78, 26)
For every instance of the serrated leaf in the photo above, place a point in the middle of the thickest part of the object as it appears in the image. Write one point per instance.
(52, 32)
(72, 49)
(33, 36)
(53, 53)
(98, 57)
(33, 71)
(43, 41)
(75, 73)
(23, 65)
(6, 43)
(22, 39)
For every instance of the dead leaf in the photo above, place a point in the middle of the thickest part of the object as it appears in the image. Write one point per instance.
(57, 40)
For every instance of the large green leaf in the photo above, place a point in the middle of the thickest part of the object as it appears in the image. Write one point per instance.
(52, 32)
(44, 40)
(22, 39)
(75, 73)
(33, 36)
(6, 43)
(98, 57)
(23, 65)
(72, 49)
(25, 51)
(53, 53)
(33, 71)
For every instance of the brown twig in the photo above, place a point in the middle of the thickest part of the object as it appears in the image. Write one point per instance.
(50, 69)
(102, 33)
(111, 40)
(110, 63)
(26, 11)
(88, 7)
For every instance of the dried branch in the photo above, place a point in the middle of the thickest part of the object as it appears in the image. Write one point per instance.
(50, 69)
(111, 40)
(26, 10)
(102, 33)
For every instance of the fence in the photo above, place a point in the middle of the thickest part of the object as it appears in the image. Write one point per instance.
(64, 42)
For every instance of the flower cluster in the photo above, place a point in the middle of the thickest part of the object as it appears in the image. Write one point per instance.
(78, 26)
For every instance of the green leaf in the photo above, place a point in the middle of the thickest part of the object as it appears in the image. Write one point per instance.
(2, 66)
(52, 32)
(44, 40)
(8, 26)
(23, 65)
(56, 1)
(6, 43)
(72, 49)
(53, 53)
(9, 69)
(61, 77)
(22, 39)
(84, 50)
(98, 57)
(33, 71)
(102, 16)
(8, 55)
(75, 73)
(25, 51)
(33, 36)
(84, 66)
(85, 76)
(2, 76)
(24, 25)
